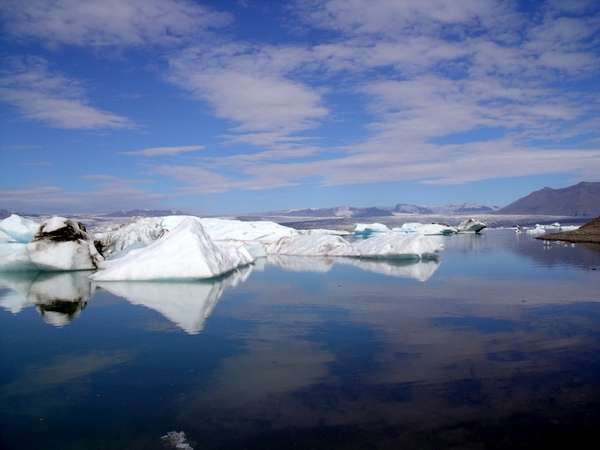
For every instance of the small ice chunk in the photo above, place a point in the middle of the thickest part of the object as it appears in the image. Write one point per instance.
(369, 229)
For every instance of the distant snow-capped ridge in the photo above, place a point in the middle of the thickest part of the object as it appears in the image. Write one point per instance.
(382, 211)
(145, 213)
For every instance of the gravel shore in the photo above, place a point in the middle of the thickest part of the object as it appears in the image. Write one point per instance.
(588, 233)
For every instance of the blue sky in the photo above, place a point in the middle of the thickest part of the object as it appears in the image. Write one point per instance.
(220, 107)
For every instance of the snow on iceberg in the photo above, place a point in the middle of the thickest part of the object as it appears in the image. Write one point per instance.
(19, 228)
(59, 244)
(186, 252)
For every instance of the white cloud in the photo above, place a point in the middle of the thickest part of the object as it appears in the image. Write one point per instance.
(105, 23)
(165, 151)
(41, 94)
(253, 97)
(110, 194)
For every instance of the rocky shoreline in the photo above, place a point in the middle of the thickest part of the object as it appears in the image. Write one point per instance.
(588, 234)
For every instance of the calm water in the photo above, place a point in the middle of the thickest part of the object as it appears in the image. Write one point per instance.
(496, 345)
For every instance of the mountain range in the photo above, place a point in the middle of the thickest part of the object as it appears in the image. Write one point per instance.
(580, 200)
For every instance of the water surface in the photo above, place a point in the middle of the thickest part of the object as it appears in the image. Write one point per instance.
(494, 345)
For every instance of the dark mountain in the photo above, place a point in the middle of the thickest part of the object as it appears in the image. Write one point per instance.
(145, 213)
(581, 200)
(468, 209)
(411, 209)
(4, 214)
(372, 212)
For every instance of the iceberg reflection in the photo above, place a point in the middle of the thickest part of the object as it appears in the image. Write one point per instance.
(185, 303)
(419, 269)
(58, 297)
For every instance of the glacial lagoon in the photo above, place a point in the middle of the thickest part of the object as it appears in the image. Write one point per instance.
(496, 344)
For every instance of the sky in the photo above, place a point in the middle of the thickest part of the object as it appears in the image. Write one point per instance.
(225, 107)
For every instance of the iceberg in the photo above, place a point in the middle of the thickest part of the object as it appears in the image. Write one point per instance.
(430, 229)
(471, 226)
(59, 244)
(415, 246)
(365, 230)
(19, 228)
(390, 246)
(186, 252)
(307, 245)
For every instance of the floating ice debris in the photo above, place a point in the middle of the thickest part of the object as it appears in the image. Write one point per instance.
(186, 252)
(177, 440)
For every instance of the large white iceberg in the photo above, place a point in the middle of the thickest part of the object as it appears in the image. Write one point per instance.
(186, 252)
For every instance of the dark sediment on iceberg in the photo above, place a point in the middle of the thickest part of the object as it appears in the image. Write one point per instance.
(588, 233)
